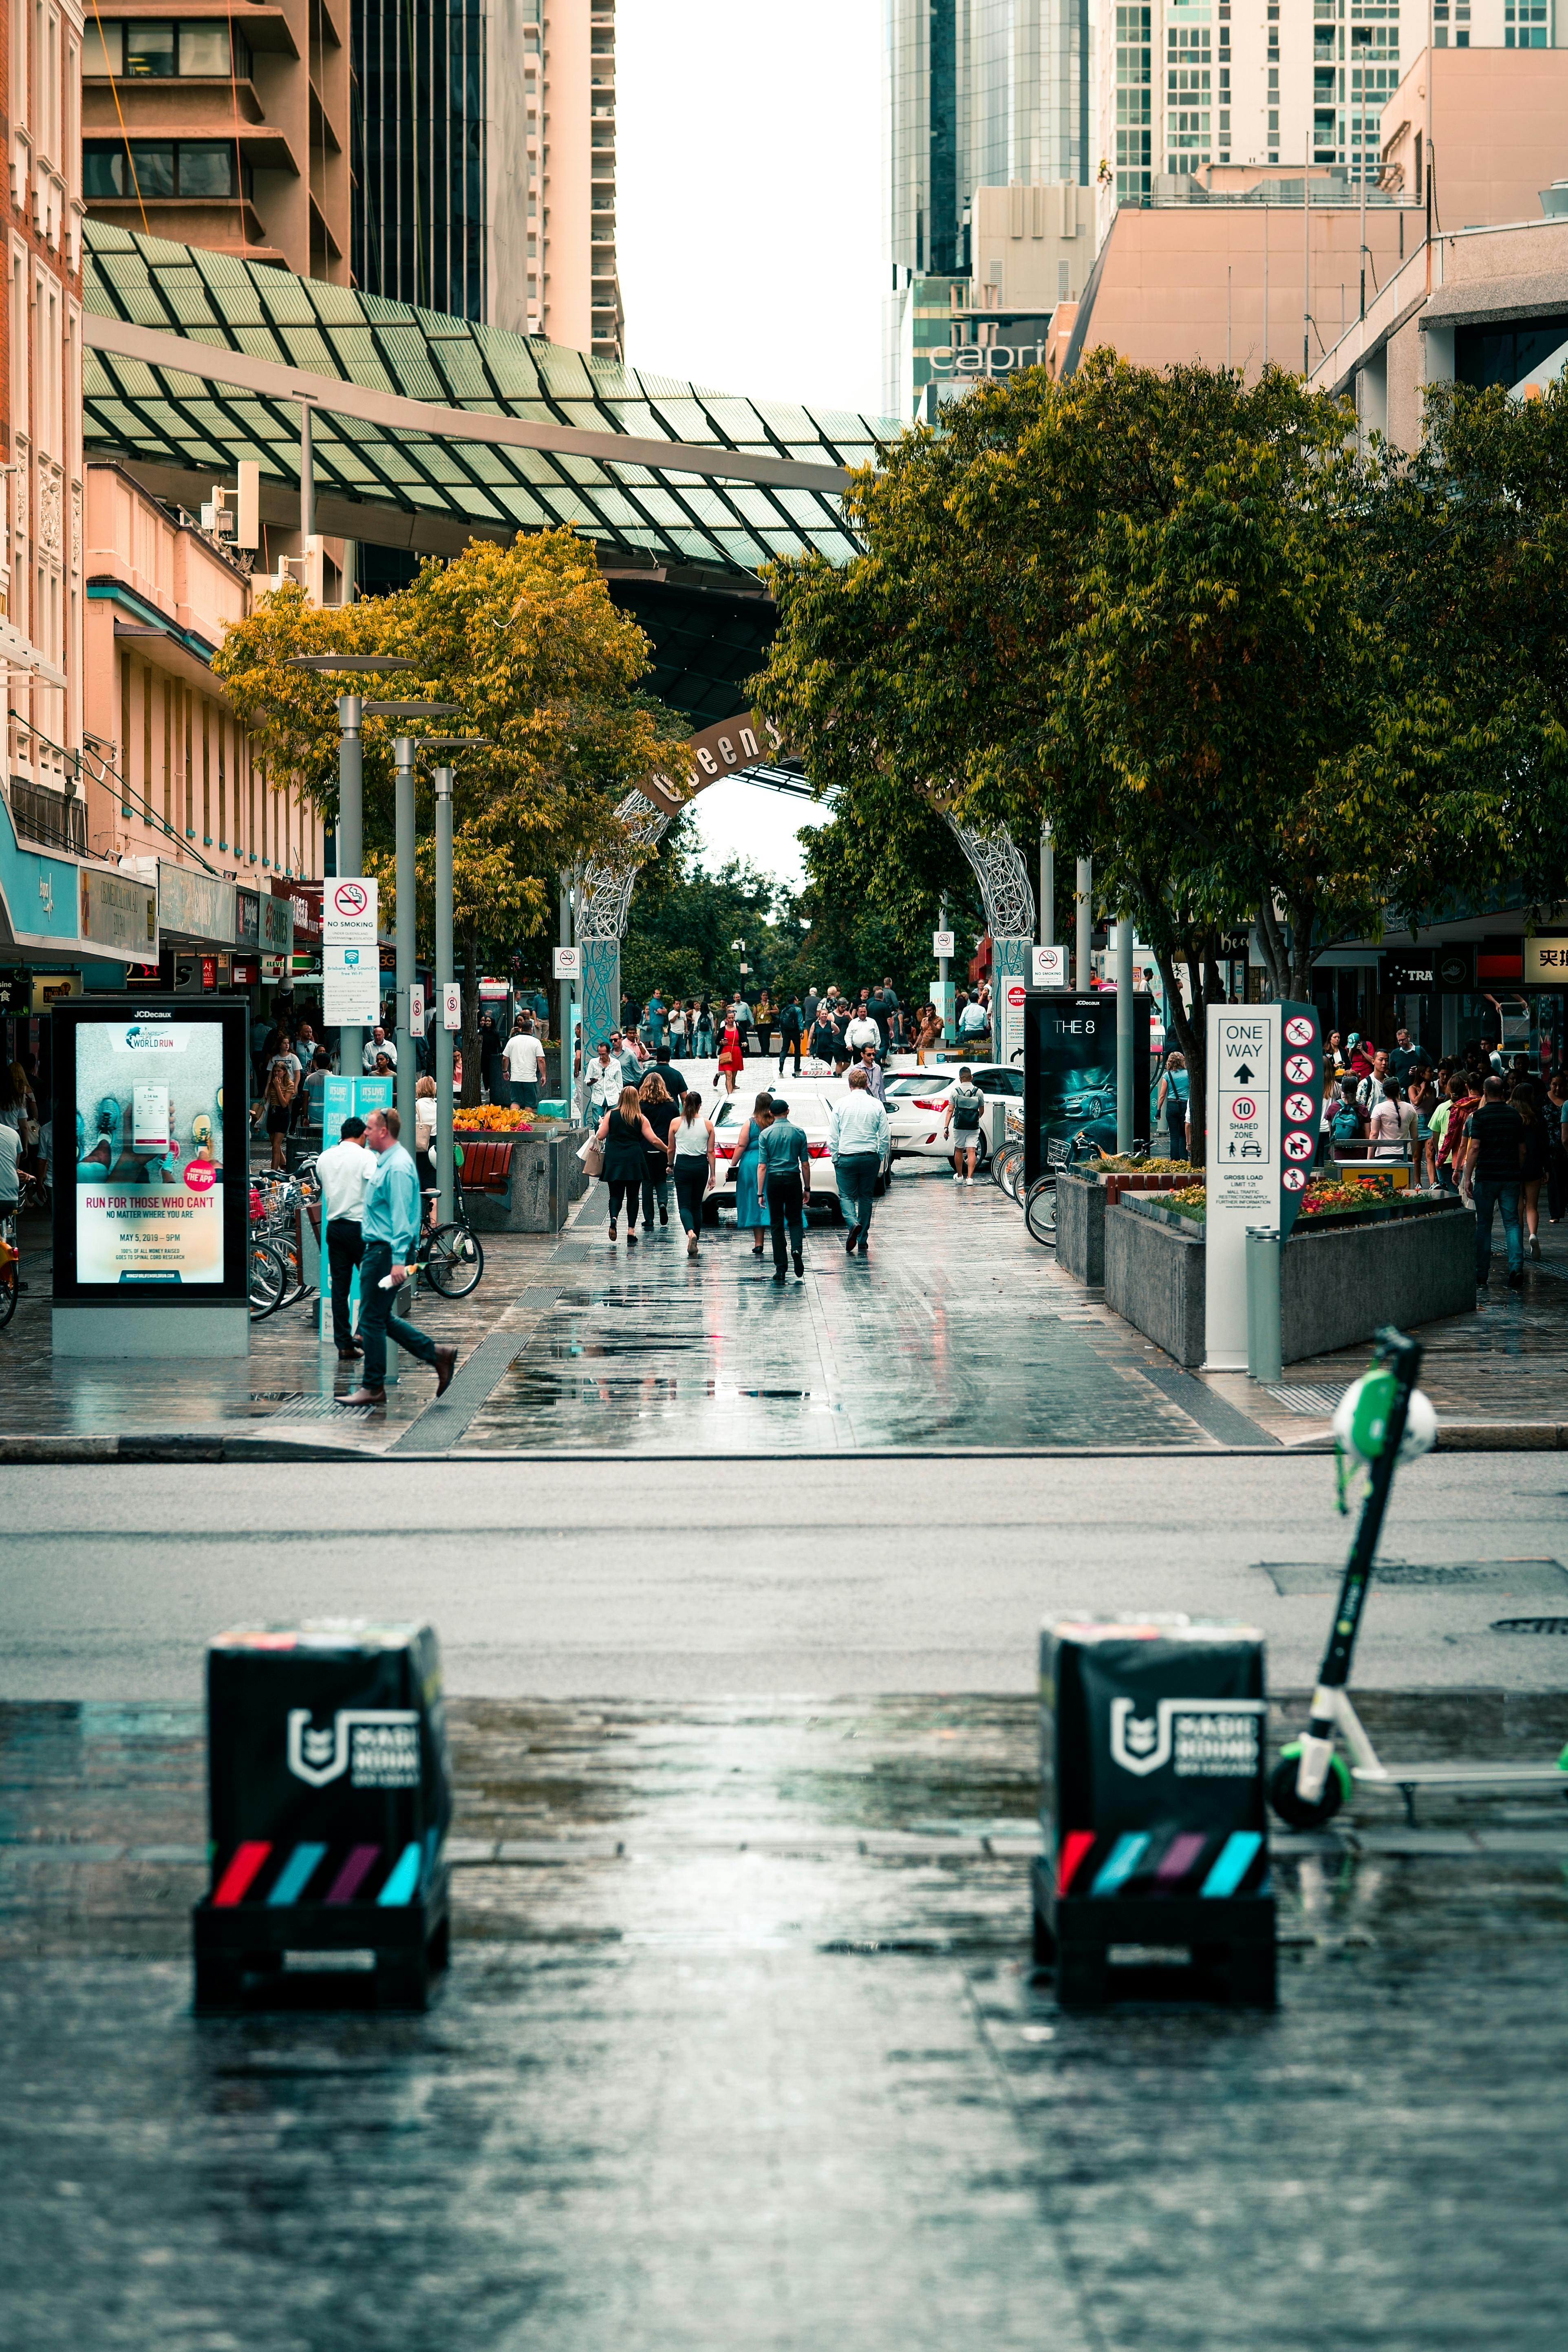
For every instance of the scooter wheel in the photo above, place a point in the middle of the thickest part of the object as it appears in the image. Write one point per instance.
(1293, 1810)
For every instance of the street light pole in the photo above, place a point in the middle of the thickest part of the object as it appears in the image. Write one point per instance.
(1085, 920)
(1124, 1120)
(443, 972)
(350, 841)
(1047, 888)
(403, 754)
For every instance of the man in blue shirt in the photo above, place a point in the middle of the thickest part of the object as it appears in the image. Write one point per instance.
(390, 1227)
(783, 1183)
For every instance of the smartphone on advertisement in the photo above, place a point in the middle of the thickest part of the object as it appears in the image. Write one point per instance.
(150, 1119)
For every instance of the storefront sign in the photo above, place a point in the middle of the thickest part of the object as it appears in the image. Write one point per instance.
(350, 965)
(15, 991)
(247, 919)
(304, 900)
(144, 1090)
(194, 905)
(274, 918)
(119, 912)
(274, 967)
(1546, 963)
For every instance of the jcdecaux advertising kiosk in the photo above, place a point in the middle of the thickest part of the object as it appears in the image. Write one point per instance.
(150, 1106)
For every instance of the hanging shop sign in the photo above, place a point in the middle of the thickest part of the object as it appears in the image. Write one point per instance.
(274, 918)
(117, 911)
(1546, 961)
(195, 906)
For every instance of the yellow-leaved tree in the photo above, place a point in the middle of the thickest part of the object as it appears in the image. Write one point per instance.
(526, 643)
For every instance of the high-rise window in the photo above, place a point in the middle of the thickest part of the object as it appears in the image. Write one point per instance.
(418, 152)
(1135, 81)
(1526, 24)
(1373, 78)
(1188, 97)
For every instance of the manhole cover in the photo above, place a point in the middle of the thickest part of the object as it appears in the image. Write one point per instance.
(1530, 1625)
(1527, 1579)
(1321, 1404)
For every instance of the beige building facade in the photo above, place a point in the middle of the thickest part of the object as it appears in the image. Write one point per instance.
(224, 128)
(550, 172)
(170, 775)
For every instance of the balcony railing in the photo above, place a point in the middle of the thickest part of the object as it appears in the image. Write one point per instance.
(55, 820)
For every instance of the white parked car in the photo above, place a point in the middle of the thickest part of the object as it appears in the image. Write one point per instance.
(811, 1102)
(917, 1108)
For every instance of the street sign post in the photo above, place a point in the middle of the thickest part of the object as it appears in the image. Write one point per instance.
(1014, 996)
(1264, 1101)
(568, 963)
(941, 944)
(451, 1005)
(350, 962)
(1050, 967)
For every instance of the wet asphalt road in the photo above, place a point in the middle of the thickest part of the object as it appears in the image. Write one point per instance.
(741, 2047)
(687, 1580)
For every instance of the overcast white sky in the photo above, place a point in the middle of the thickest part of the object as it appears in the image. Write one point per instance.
(749, 237)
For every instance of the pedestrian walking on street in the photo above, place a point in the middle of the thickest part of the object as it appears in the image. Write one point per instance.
(602, 1083)
(283, 1074)
(731, 1056)
(1173, 1100)
(749, 1214)
(790, 1024)
(875, 1082)
(523, 1060)
(1533, 1169)
(783, 1183)
(965, 1107)
(390, 1228)
(1557, 1146)
(928, 1033)
(343, 1172)
(627, 1139)
(702, 1030)
(690, 1148)
(661, 1110)
(859, 1146)
(1494, 1157)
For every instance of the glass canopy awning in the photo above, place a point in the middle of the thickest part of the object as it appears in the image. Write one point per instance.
(423, 425)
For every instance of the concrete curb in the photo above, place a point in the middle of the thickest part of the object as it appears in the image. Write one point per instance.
(231, 1445)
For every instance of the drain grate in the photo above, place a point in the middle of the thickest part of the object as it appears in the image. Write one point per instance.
(300, 1407)
(1524, 1579)
(1321, 1404)
(1530, 1625)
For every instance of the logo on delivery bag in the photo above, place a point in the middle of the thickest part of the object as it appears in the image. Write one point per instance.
(378, 1746)
(1209, 1738)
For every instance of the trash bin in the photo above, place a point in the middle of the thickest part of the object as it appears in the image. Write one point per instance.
(329, 1796)
(1154, 1874)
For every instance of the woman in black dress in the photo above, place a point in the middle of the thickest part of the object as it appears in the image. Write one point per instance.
(627, 1140)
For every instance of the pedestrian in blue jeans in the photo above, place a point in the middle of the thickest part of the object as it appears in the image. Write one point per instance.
(1494, 1160)
(390, 1226)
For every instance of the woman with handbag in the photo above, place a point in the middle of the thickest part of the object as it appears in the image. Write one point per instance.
(627, 1139)
(731, 1060)
(751, 1216)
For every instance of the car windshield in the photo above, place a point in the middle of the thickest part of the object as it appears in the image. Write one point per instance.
(925, 1084)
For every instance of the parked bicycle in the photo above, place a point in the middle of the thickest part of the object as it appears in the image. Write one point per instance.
(1040, 1199)
(451, 1257)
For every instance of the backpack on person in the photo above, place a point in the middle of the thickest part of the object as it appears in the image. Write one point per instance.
(967, 1105)
(1346, 1127)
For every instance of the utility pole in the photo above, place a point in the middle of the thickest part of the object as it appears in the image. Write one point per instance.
(403, 754)
(350, 839)
(1124, 1106)
(1085, 910)
(564, 1015)
(442, 780)
(1047, 888)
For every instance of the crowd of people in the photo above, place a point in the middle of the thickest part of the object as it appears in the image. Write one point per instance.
(826, 1027)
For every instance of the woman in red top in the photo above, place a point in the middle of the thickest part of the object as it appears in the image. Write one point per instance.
(730, 1058)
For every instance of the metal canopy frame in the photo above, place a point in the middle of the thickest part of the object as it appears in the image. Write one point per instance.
(195, 360)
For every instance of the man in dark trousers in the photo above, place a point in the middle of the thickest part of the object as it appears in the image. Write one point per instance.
(783, 1183)
(344, 1171)
(791, 1024)
(1494, 1161)
(390, 1224)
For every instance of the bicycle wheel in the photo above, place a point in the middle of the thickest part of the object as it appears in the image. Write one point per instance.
(1040, 1210)
(454, 1261)
(269, 1279)
(10, 1286)
(1007, 1168)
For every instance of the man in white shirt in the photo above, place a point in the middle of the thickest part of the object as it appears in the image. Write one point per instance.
(380, 1043)
(344, 1171)
(862, 1031)
(858, 1141)
(523, 1057)
(602, 1083)
(973, 1021)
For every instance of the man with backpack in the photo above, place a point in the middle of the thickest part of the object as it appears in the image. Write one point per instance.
(790, 1028)
(965, 1107)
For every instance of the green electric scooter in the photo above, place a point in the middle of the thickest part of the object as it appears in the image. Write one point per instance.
(1381, 1422)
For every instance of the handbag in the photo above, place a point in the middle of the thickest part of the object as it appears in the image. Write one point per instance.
(592, 1155)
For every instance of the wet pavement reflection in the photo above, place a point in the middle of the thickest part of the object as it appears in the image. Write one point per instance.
(741, 2045)
(954, 1330)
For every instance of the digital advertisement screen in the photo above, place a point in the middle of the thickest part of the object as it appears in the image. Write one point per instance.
(145, 1092)
(1069, 1075)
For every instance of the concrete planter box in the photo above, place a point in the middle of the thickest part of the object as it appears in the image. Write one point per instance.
(1336, 1289)
(1081, 1205)
(547, 1177)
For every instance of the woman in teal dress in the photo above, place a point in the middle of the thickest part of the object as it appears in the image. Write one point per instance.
(750, 1213)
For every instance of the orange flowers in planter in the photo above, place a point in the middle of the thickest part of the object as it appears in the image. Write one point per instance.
(491, 1119)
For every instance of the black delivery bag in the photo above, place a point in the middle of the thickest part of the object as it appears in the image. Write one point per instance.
(1154, 1872)
(330, 1798)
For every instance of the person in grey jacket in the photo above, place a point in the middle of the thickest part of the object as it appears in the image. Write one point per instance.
(859, 1142)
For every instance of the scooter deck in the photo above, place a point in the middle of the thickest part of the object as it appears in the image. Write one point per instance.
(1459, 1776)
